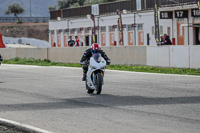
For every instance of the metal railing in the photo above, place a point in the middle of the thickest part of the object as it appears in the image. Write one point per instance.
(55, 14)
(76, 12)
(107, 8)
(150, 4)
(25, 19)
(176, 2)
(110, 8)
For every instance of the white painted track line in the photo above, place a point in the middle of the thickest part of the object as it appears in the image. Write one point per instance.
(24, 127)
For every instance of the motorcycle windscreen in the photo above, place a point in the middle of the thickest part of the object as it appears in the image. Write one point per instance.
(97, 57)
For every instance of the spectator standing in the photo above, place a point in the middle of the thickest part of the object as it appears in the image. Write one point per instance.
(71, 42)
(77, 42)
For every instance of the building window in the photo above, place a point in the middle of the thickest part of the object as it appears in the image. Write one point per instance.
(168, 31)
(140, 26)
(103, 29)
(180, 20)
(130, 27)
(87, 30)
(112, 28)
(79, 30)
(72, 31)
(197, 19)
(161, 29)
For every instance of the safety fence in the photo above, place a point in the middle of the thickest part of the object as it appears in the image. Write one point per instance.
(25, 19)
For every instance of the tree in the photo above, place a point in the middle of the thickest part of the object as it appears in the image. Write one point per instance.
(69, 3)
(109, 0)
(90, 2)
(64, 3)
(52, 8)
(81, 2)
(15, 8)
(61, 4)
(75, 5)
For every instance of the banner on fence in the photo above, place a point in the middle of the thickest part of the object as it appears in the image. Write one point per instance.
(157, 32)
(120, 26)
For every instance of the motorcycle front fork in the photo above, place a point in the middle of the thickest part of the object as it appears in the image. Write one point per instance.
(95, 78)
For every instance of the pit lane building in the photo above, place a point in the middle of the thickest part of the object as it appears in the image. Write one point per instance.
(177, 18)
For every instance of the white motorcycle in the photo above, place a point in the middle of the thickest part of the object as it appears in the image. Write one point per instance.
(95, 73)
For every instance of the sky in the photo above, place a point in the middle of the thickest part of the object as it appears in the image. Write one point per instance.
(39, 8)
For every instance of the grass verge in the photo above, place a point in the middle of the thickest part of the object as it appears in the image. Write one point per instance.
(46, 62)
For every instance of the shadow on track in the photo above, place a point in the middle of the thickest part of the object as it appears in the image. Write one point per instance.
(103, 100)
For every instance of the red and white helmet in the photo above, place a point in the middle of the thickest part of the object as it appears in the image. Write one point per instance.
(95, 47)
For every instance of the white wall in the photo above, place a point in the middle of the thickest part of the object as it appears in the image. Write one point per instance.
(179, 56)
(158, 56)
(195, 56)
(174, 56)
(163, 56)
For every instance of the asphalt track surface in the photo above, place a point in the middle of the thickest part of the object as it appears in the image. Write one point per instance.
(55, 99)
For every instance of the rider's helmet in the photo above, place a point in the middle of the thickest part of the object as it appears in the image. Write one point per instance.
(95, 48)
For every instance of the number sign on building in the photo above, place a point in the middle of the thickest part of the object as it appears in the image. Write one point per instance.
(181, 14)
(166, 15)
(195, 13)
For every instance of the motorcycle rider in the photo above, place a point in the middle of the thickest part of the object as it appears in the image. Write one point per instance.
(88, 53)
(1, 59)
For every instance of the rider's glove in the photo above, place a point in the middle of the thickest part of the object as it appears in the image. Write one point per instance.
(108, 62)
(82, 62)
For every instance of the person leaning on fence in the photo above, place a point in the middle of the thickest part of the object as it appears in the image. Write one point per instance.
(164, 40)
(167, 40)
(71, 42)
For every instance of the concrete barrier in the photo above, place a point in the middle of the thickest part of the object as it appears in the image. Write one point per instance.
(127, 55)
(158, 56)
(195, 57)
(37, 53)
(179, 56)
(67, 55)
(8, 53)
(116, 54)
(163, 56)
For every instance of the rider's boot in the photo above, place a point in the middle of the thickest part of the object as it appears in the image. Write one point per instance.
(84, 77)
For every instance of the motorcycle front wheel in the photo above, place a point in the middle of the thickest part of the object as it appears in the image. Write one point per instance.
(98, 83)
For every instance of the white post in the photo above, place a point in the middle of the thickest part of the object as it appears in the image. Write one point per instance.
(107, 36)
(50, 38)
(126, 36)
(55, 37)
(117, 36)
(62, 38)
(90, 37)
(83, 37)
